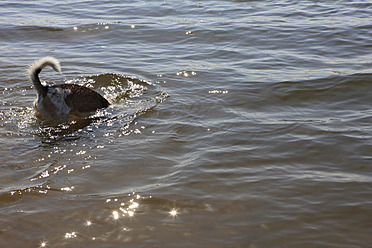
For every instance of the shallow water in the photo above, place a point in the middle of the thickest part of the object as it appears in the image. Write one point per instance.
(233, 124)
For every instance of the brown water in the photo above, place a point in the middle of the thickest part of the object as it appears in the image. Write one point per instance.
(233, 124)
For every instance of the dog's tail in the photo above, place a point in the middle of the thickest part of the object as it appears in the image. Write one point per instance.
(37, 66)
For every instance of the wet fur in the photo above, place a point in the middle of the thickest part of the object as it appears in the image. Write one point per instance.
(64, 99)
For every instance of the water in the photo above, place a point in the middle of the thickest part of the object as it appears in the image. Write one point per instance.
(233, 124)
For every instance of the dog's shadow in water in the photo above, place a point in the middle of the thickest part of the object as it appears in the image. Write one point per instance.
(66, 126)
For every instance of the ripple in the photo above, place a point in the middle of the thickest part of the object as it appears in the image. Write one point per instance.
(61, 144)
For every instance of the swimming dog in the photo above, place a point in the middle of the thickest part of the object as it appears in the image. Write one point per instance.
(64, 99)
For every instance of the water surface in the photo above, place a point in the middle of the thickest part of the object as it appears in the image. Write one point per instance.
(233, 124)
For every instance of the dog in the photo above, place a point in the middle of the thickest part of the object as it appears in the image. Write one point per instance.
(63, 100)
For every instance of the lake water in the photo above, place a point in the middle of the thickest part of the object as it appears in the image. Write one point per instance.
(233, 124)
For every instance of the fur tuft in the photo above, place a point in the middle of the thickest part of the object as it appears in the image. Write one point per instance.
(40, 64)
(37, 66)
